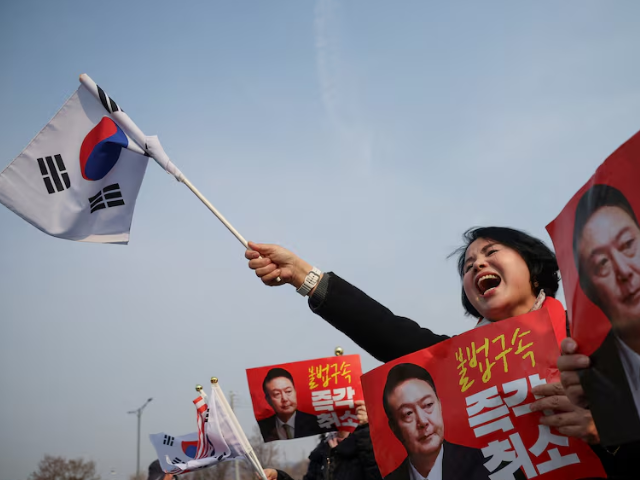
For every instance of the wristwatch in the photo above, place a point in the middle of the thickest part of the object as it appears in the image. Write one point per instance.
(309, 282)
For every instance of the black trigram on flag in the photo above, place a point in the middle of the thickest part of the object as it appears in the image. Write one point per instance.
(54, 174)
(109, 196)
(168, 440)
(176, 460)
(107, 102)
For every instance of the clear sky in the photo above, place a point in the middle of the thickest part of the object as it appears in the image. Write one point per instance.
(366, 136)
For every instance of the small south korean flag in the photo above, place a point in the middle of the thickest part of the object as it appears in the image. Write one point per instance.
(79, 178)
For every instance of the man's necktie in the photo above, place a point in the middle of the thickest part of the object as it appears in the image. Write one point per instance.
(288, 430)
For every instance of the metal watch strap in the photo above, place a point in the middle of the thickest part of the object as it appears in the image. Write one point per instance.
(309, 282)
(319, 294)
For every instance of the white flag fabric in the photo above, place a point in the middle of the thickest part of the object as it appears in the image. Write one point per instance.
(215, 443)
(177, 454)
(79, 178)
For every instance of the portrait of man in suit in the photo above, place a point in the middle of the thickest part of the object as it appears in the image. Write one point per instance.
(287, 422)
(413, 409)
(606, 247)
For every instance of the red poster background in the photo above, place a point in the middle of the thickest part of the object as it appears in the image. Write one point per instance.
(589, 326)
(300, 373)
(440, 361)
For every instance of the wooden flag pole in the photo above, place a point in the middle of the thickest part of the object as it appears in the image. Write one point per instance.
(213, 209)
(151, 146)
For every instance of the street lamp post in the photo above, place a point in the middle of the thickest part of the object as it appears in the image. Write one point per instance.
(138, 412)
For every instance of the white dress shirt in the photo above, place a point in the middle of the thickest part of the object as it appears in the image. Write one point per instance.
(631, 364)
(282, 433)
(434, 474)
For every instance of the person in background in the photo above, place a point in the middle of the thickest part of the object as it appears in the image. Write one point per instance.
(341, 455)
(156, 472)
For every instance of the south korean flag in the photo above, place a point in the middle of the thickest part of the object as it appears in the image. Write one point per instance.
(79, 178)
(214, 442)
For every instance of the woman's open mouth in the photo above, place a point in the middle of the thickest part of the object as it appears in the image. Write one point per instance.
(487, 282)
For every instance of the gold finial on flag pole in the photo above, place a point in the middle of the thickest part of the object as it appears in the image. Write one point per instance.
(214, 379)
(338, 351)
(198, 388)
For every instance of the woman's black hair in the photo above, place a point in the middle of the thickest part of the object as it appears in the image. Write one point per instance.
(541, 261)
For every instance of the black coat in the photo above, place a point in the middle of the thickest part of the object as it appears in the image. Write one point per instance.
(351, 459)
(372, 326)
(305, 426)
(386, 336)
(458, 462)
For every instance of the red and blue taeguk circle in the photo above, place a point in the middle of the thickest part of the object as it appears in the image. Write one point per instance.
(190, 448)
(100, 149)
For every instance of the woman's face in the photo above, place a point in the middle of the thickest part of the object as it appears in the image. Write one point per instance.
(497, 280)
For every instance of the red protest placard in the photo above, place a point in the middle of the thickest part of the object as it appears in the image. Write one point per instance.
(597, 242)
(461, 408)
(301, 399)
